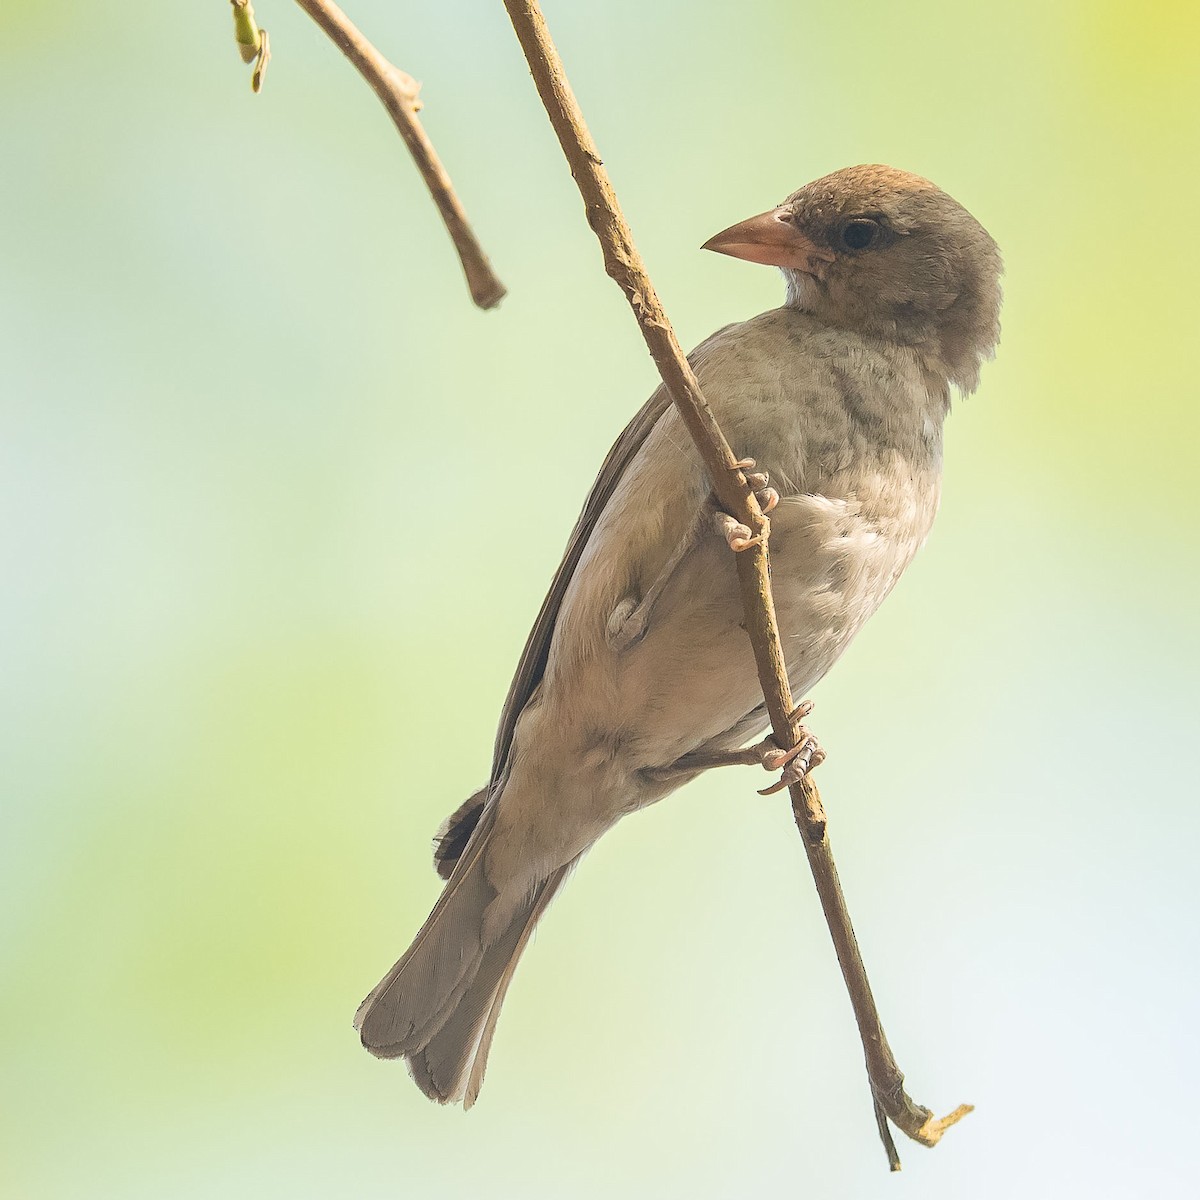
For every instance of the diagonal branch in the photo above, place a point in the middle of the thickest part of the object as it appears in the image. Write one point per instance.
(398, 94)
(625, 265)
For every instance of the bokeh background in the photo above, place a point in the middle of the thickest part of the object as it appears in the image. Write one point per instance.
(279, 506)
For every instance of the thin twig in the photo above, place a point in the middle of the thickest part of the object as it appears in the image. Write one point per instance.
(736, 496)
(398, 93)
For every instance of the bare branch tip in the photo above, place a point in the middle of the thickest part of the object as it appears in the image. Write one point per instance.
(885, 1136)
(488, 294)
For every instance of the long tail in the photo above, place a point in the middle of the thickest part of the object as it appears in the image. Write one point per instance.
(438, 1006)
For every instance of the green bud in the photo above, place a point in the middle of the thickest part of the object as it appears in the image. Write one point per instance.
(245, 31)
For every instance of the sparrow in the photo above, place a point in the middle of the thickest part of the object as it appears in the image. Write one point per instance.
(638, 674)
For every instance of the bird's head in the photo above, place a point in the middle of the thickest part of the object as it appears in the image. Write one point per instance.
(887, 254)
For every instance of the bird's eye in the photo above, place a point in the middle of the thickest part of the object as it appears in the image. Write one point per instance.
(860, 233)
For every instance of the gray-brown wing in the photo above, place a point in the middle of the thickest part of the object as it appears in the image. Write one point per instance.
(451, 840)
(537, 647)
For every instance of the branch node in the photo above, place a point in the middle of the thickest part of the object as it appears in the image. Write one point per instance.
(809, 811)
(407, 88)
(931, 1132)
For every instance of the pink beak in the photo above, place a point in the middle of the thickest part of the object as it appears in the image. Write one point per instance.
(773, 239)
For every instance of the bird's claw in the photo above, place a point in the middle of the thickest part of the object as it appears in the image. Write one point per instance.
(738, 536)
(767, 497)
(802, 759)
(795, 763)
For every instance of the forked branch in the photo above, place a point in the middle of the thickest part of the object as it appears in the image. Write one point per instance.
(736, 497)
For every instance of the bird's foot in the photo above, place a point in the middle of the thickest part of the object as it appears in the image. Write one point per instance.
(739, 536)
(767, 497)
(795, 762)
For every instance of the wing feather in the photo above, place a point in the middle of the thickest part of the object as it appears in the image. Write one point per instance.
(537, 647)
(532, 664)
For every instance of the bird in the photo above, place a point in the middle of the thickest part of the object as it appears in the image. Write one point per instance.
(638, 674)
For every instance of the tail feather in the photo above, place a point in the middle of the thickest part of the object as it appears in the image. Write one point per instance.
(385, 1038)
(438, 1006)
(455, 833)
(417, 995)
(475, 1079)
(441, 1066)
(451, 1066)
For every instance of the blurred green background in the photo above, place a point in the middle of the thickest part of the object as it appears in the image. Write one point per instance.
(248, 665)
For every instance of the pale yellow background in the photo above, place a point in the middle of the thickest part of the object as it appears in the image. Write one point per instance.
(278, 509)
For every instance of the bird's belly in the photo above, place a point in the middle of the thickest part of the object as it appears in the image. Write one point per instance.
(692, 679)
(607, 716)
